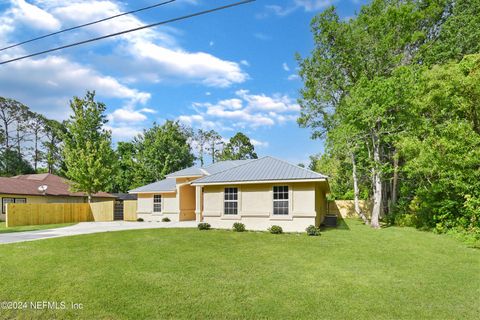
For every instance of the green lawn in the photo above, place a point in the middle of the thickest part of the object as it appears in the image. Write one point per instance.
(4, 229)
(354, 273)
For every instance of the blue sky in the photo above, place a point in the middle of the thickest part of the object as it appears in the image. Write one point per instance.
(230, 71)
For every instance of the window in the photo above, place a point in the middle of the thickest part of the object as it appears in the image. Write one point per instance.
(157, 203)
(231, 201)
(280, 200)
(11, 200)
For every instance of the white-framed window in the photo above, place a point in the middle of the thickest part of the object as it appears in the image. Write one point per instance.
(157, 203)
(230, 203)
(280, 200)
(11, 200)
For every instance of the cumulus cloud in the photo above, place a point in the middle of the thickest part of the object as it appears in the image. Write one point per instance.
(245, 110)
(48, 83)
(306, 5)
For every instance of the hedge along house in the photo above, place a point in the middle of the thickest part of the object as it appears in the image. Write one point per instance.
(41, 188)
(259, 193)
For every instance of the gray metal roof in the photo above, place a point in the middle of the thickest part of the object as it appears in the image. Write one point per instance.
(210, 169)
(166, 185)
(188, 172)
(224, 165)
(264, 169)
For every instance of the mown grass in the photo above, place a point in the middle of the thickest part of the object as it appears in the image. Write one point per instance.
(4, 229)
(349, 273)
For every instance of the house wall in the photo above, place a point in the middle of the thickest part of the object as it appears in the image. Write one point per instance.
(170, 207)
(255, 203)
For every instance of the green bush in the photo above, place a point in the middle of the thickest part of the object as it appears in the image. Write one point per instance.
(204, 226)
(312, 230)
(238, 227)
(140, 219)
(166, 219)
(275, 229)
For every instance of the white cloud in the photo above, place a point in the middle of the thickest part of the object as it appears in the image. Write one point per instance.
(285, 67)
(306, 5)
(123, 133)
(33, 16)
(293, 77)
(245, 110)
(259, 144)
(245, 63)
(126, 115)
(38, 82)
(262, 36)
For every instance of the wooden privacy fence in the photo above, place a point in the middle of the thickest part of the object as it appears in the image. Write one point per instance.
(346, 208)
(49, 213)
(130, 210)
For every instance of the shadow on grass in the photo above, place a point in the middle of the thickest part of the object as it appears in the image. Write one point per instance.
(341, 225)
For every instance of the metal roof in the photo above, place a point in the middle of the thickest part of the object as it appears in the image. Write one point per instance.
(264, 169)
(210, 169)
(188, 172)
(166, 185)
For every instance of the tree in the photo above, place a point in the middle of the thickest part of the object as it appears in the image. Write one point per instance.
(238, 147)
(87, 150)
(126, 177)
(351, 61)
(54, 131)
(214, 144)
(162, 150)
(12, 164)
(201, 138)
(36, 127)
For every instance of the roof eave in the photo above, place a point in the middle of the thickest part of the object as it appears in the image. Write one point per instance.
(195, 183)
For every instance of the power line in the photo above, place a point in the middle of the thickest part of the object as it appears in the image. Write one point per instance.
(88, 24)
(130, 30)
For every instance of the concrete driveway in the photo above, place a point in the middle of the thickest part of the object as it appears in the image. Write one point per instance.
(89, 227)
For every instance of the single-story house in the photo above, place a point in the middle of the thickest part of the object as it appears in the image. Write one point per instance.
(258, 192)
(41, 188)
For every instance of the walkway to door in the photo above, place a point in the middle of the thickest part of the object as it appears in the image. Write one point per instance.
(89, 227)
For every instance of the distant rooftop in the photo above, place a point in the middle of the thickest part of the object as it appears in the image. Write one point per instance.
(28, 185)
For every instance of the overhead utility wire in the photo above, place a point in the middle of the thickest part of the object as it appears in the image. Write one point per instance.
(88, 24)
(130, 30)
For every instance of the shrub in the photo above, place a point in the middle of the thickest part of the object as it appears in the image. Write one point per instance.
(312, 230)
(239, 227)
(140, 219)
(204, 226)
(166, 219)
(275, 229)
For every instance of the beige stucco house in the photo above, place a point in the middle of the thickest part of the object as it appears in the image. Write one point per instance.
(258, 192)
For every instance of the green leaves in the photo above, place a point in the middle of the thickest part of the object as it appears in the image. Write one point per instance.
(239, 148)
(89, 158)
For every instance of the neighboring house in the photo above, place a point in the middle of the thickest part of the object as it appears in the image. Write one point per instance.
(258, 192)
(41, 188)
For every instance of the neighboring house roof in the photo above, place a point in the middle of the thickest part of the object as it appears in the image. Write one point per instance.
(263, 169)
(166, 185)
(210, 169)
(124, 196)
(28, 185)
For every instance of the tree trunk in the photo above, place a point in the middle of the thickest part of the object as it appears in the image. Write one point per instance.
(395, 178)
(356, 190)
(377, 184)
(35, 157)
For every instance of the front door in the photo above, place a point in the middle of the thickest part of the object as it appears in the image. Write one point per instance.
(118, 210)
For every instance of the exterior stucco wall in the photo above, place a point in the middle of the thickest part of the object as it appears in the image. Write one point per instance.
(170, 207)
(255, 203)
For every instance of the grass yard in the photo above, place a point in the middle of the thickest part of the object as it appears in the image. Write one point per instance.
(354, 273)
(4, 229)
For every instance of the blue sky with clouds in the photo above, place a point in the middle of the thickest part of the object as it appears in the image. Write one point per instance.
(230, 71)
